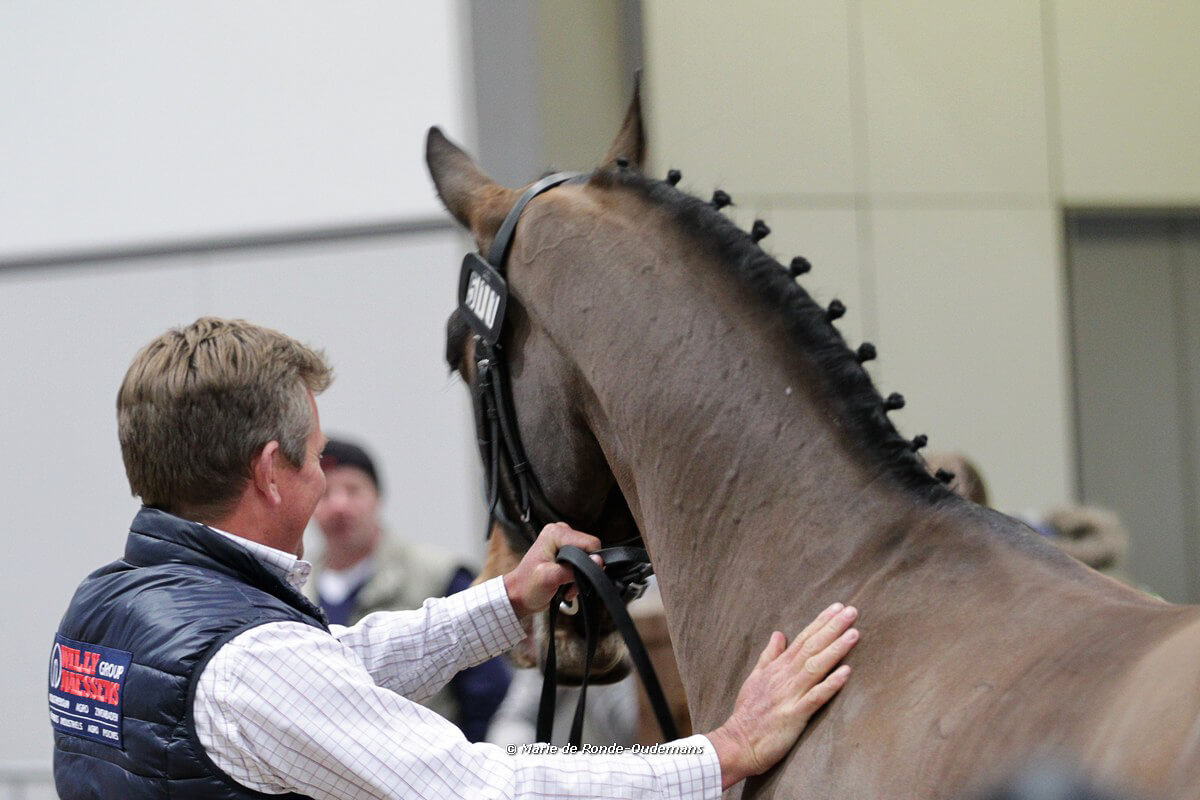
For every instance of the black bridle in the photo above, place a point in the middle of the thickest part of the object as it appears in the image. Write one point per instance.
(525, 509)
(483, 301)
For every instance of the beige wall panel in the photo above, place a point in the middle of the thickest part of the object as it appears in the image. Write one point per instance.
(582, 90)
(955, 98)
(750, 95)
(969, 316)
(827, 238)
(1129, 76)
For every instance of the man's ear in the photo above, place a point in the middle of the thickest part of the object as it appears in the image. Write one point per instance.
(263, 473)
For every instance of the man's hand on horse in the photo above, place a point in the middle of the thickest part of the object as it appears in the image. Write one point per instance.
(532, 584)
(786, 687)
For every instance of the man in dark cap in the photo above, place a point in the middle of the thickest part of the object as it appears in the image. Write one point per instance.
(363, 570)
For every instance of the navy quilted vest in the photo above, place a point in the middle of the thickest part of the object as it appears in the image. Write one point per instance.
(130, 649)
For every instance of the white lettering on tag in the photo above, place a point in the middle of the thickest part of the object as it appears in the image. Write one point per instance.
(489, 311)
(469, 300)
(482, 299)
(114, 671)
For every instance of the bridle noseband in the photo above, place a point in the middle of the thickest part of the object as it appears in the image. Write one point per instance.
(483, 301)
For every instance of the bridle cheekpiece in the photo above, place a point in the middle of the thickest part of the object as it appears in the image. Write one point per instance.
(483, 302)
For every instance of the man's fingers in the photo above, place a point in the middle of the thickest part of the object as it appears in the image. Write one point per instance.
(776, 645)
(820, 663)
(819, 622)
(820, 694)
(561, 534)
(557, 574)
(834, 627)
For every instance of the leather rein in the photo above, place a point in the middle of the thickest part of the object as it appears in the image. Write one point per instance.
(483, 300)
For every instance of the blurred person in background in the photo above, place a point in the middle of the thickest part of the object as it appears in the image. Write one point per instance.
(965, 481)
(611, 718)
(1089, 534)
(1092, 535)
(364, 569)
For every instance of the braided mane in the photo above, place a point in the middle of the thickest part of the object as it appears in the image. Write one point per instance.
(807, 323)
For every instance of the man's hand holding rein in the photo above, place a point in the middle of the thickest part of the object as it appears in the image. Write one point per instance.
(532, 584)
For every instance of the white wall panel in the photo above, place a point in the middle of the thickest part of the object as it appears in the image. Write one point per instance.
(955, 97)
(1129, 76)
(750, 96)
(969, 316)
(126, 122)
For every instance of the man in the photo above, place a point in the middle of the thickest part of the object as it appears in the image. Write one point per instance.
(363, 570)
(193, 667)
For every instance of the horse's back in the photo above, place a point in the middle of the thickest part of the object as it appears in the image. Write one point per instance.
(1151, 731)
(1120, 700)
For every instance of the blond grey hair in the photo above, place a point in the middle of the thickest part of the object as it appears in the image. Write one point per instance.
(200, 401)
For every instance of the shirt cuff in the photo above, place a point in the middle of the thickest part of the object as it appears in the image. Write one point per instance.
(487, 618)
(686, 768)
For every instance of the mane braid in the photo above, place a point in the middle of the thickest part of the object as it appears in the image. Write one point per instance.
(807, 324)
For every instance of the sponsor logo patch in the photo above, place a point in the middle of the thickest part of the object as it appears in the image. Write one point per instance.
(87, 685)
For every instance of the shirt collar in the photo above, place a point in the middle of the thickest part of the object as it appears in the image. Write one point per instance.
(286, 566)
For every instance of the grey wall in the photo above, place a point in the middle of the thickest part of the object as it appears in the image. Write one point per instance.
(1135, 314)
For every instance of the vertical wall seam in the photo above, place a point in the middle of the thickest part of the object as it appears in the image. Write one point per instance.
(1074, 398)
(463, 17)
(632, 36)
(863, 216)
(1053, 103)
(1052, 98)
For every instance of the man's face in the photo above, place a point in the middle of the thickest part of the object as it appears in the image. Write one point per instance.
(303, 486)
(346, 513)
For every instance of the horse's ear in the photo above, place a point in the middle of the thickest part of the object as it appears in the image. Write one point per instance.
(630, 144)
(475, 200)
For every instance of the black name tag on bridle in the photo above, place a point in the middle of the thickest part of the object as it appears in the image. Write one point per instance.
(482, 297)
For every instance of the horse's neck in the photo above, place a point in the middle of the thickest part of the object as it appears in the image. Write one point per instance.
(758, 506)
(755, 513)
(730, 444)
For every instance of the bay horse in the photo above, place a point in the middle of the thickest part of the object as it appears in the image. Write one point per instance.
(658, 351)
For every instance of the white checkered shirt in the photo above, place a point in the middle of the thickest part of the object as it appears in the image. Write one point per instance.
(285, 707)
